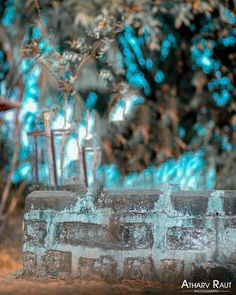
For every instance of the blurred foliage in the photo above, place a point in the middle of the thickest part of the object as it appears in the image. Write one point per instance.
(163, 73)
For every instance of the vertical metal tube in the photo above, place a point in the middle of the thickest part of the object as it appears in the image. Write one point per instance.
(36, 158)
(46, 119)
(84, 166)
(54, 157)
(94, 163)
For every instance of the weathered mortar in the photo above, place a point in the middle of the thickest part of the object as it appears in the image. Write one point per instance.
(131, 234)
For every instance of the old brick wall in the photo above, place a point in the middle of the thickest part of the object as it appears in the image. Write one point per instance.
(131, 234)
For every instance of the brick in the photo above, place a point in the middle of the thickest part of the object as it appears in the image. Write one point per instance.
(105, 268)
(228, 247)
(139, 268)
(189, 238)
(132, 201)
(231, 267)
(132, 236)
(198, 273)
(171, 270)
(195, 203)
(125, 236)
(220, 273)
(53, 200)
(35, 232)
(57, 264)
(230, 222)
(138, 201)
(211, 271)
(195, 221)
(80, 233)
(230, 205)
(198, 221)
(140, 205)
(187, 204)
(29, 263)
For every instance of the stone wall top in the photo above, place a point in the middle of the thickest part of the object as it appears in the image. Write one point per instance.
(196, 203)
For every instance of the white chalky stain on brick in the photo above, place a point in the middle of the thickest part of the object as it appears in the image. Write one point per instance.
(216, 202)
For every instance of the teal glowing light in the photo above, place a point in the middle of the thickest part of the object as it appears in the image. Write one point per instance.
(24, 139)
(131, 102)
(182, 132)
(187, 173)
(9, 115)
(159, 76)
(221, 89)
(228, 15)
(9, 13)
(149, 64)
(45, 46)
(31, 106)
(133, 59)
(21, 172)
(91, 100)
(125, 106)
(71, 151)
(36, 34)
(202, 55)
(168, 43)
